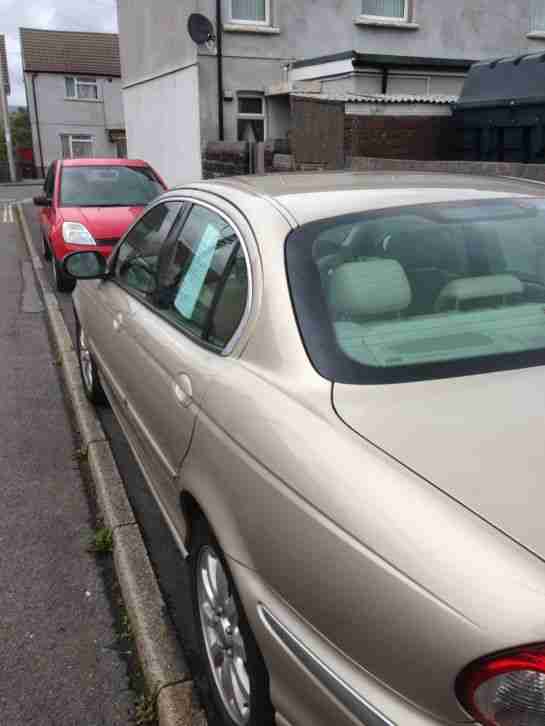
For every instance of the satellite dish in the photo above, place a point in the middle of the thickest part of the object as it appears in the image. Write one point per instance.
(200, 29)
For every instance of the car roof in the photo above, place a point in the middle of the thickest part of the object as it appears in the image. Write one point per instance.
(310, 196)
(103, 162)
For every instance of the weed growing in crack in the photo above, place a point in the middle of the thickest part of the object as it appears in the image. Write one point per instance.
(146, 710)
(103, 541)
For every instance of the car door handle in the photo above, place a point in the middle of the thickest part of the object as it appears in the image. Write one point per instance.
(118, 322)
(183, 390)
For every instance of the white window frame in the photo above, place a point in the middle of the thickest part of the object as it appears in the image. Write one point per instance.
(82, 139)
(388, 18)
(253, 116)
(239, 21)
(81, 81)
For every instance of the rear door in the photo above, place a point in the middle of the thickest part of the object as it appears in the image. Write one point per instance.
(177, 337)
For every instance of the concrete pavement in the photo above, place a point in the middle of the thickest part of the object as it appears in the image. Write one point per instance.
(60, 663)
(163, 663)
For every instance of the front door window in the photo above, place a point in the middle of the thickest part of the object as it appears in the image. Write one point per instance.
(137, 260)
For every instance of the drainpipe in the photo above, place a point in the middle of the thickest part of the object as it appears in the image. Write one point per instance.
(384, 81)
(219, 51)
(38, 123)
(7, 129)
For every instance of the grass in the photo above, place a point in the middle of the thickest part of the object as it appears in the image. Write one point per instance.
(146, 710)
(103, 541)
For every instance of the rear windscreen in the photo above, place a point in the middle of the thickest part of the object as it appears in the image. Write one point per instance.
(422, 291)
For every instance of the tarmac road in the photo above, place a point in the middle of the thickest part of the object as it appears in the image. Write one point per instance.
(60, 663)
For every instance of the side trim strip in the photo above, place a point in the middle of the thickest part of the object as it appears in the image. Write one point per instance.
(346, 695)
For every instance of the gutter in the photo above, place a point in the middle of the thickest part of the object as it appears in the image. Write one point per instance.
(34, 75)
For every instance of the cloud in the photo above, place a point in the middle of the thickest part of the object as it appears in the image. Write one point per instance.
(94, 15)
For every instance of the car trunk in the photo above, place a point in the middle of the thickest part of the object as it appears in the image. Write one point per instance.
(479, 438)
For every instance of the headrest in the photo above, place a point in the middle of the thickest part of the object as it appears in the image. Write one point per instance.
(476, 288)
(367, 288)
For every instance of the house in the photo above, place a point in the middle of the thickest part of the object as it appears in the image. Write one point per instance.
(73, 89)
(4, 64)
(178, 96)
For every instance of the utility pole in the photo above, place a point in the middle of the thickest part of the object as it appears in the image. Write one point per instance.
(5, 117)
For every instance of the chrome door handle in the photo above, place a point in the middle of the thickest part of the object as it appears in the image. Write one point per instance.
(183, 390)
(118, 322)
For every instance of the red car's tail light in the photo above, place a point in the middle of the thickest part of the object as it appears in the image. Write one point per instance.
(507, 689)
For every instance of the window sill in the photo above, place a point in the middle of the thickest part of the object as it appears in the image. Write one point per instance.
(256, 29)
(391, 24)
(536, 35)
(83, 100)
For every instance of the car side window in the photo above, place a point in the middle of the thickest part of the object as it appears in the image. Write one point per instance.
(138, 256)
(203, 288)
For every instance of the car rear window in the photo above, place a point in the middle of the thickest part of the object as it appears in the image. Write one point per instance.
(108, 186)
(422, 291)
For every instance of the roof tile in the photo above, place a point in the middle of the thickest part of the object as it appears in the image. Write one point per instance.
(59, 51)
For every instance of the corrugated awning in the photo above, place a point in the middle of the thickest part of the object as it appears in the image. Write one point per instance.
(378, 98)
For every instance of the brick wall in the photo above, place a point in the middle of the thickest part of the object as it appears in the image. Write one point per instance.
(401, 137)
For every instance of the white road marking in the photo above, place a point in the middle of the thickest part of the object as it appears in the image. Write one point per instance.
(7, 217)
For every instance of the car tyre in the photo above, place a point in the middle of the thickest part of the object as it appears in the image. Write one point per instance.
(46, 250)
(232, 671)
(88, 369)
(62, 282)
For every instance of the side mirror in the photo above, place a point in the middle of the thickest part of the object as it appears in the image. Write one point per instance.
(87, 265)
(42, 201)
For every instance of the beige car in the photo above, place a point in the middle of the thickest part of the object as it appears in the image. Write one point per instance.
(334, 385)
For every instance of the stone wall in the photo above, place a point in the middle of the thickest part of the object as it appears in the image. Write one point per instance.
(225, 158)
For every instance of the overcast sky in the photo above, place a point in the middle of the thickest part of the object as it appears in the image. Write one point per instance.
(92, 15)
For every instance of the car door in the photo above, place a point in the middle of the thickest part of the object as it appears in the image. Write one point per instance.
(177, 337)
(133, 272)
(47, 214)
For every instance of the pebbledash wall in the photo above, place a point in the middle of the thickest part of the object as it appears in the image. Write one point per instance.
(170, 86)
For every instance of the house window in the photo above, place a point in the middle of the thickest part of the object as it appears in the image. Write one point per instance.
(84, 89)
(250, 11)
(387, 9)
(537, 17)
(251, 117)
(76, 147)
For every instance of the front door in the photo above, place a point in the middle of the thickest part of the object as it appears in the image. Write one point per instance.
(47, 214)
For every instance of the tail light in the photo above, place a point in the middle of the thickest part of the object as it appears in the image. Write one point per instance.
(507, 689)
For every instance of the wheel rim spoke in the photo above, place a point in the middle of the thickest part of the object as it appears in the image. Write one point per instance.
(85, 361)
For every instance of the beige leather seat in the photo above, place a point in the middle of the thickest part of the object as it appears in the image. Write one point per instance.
(370, 288)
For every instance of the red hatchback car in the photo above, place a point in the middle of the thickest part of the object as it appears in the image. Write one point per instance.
(91, 203)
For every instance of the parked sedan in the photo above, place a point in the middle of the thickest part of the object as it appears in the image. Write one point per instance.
(335, 387)
(91, 202)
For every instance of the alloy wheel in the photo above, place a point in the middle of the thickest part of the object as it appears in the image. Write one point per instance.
(85, 361)
(225, 649)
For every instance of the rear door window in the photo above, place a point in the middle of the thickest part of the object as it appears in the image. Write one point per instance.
(204, 287)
